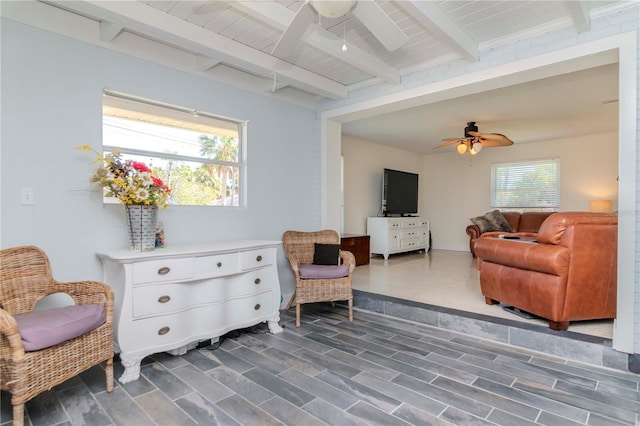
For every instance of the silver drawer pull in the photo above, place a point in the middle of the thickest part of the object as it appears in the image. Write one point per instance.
(219, 264)
(256, 281)
(164, 299)
(257, 307)
(164, 270)
(163, 330)
(258, 258)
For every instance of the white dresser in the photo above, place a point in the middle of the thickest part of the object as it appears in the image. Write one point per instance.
(172, 298)
(391, 235)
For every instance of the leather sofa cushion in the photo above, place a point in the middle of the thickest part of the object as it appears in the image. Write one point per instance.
(514, 220)
(545, 258)
(553, 229)
(495, 234)
(531, 221)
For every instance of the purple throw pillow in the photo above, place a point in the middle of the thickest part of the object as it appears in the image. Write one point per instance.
(48, 327)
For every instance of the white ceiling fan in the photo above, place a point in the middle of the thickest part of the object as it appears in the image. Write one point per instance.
(473, 141)
(367, 11)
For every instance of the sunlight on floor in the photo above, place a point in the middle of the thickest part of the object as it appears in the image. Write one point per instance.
(449, 279)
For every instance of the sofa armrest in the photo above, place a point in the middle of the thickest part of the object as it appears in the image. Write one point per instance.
(473, 231)
(546, 258)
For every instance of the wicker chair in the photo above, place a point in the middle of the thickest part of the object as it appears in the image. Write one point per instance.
(299, 248)
(25, 278)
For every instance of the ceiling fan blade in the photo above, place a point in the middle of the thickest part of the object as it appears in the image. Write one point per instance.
(380, 25)
(449, 142)
(293, 33)
(492, 139)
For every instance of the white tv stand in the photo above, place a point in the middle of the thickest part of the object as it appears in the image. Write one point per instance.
(390, 235)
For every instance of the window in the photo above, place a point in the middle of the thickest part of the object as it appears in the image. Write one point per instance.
(199, 155)
(526, 186)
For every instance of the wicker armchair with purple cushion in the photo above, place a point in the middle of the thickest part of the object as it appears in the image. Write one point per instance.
(43, 348)
(319, 279)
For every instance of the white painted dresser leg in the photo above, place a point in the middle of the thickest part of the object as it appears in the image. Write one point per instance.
(131, 368)
(274, 327)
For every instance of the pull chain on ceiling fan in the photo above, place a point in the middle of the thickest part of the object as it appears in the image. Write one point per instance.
(372, 16)
(473, 141)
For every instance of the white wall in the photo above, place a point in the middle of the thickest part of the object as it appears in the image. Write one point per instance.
(52, 102)
(454, 187)
(364, 162)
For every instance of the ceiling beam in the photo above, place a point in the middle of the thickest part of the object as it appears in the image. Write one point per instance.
(579, 11)
(204, 63)
(279, 17)
(157, 25)
(109, 31)
(441, 27)
(274, 85)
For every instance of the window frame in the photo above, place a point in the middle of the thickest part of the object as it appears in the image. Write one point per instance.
(170, 111)
(528, 206)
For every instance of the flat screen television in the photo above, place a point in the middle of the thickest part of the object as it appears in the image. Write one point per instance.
(399, 193)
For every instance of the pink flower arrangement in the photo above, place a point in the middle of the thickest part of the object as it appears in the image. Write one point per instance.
(132, 182)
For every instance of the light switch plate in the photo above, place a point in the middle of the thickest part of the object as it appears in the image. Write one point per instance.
(26, 196)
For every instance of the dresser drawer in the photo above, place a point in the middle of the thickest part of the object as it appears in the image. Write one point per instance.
(410, 233)
(394, 223)
(257, 258)
(206, 321)
(160, 299)
(410, 244)
(411, 223)
(217, 265)
(162, 270)
(249, 309)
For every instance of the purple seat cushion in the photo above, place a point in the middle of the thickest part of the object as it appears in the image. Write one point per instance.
(323, 272)
(41, 329)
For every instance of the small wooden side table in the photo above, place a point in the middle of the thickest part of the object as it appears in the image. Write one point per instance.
(358, 245)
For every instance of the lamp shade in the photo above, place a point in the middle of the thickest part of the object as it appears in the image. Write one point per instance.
(462, 147)
(476, 147)
(602, 206)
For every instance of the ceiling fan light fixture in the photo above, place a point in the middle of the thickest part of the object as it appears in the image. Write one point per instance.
(344, 37)
(476, 147)
(471, 127)
(332, 8)
(475, 141)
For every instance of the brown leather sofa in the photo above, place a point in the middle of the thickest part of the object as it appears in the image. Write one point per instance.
(522, 224)
(568, 274)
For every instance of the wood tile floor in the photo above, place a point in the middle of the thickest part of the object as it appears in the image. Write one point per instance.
(374, 371)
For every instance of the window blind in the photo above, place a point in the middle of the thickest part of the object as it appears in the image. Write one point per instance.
(526, 184)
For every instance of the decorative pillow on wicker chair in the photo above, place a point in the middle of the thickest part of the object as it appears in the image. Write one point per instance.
(322, 272)
(326, 254)
(492, 221)
(48, 327)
